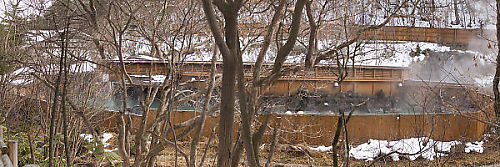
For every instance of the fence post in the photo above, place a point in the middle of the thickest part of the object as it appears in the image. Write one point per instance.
(455, 39)
(12, 144)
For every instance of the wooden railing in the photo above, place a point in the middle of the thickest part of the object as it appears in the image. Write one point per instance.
(320, 72)
(8, 152)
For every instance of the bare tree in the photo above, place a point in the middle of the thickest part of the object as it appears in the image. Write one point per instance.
(233, 71)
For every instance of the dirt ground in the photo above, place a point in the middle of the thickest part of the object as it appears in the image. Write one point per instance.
(287, 157)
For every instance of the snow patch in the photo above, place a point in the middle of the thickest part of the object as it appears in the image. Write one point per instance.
(262, 146)
(484, 80)
(321, 148)
(23, 71)
(104, 138)
(154, 78)
(411, 149)
(87, 137)
(386, 53)
(370, 150)
(474, 146)
(110, 150)
(23, 81)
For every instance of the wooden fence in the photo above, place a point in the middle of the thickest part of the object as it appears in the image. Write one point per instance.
(423, 34)
(320, 129)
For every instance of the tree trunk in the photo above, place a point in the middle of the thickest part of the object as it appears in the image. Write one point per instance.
(496, 79)
(228, 92)
(226, 115)
(229, 49)
(63, 98)
(53, 113)
(457, 17)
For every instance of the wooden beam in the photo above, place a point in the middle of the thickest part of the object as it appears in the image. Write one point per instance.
(13, 150)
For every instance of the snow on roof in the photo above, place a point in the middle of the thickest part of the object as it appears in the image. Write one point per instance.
(77, 68)
(22, 81)
(138, 58)
(20, 75)
(23, 71)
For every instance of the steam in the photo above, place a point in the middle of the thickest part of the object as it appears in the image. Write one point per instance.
(473, 64)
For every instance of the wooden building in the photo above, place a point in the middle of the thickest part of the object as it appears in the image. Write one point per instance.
(366, 80)
(319, 129)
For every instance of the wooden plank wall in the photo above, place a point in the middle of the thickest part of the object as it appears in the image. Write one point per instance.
(423, 34)
(319, 130)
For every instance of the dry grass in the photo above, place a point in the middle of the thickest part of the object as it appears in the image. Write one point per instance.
(285, 157)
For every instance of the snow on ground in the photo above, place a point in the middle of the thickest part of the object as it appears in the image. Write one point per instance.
(472, 14)
(474, 146)
(411, 149)
(387, 53)
(104, 138)
(25, 8)
(377, 53)
(321, 148)
(484, 81)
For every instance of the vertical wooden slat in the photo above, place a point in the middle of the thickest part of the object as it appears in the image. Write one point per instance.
(13, 149)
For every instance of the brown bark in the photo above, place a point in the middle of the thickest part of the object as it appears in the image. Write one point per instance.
(496, 79)
(312, 36)
(64, 55)
(53, 114)
(229, 50)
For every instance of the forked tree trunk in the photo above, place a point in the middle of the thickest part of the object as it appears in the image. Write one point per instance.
(228, 49)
